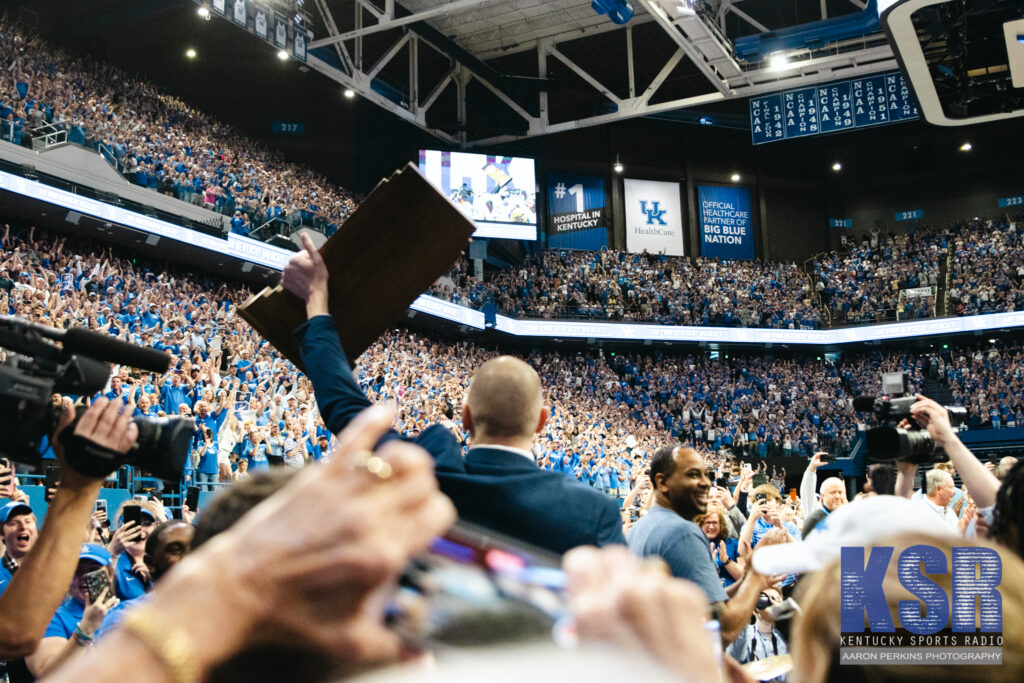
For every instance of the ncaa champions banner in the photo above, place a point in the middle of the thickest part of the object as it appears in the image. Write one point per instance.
(577, 213)
(726, 228)
(654, 219)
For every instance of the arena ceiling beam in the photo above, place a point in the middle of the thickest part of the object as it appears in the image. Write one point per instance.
(472, 36)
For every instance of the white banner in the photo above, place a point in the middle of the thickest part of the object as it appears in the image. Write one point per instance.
(654, 219)
(917, 291)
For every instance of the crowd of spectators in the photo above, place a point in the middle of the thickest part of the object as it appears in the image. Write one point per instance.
(618, 285)
(158, 141)
(987, 269)
(989, 381)
(864, 282)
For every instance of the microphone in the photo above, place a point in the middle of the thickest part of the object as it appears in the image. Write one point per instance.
(113, 350)
(864, 403)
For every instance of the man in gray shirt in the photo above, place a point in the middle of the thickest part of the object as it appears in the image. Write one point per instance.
(680, 479)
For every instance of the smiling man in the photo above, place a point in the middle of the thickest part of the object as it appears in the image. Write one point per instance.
(680, 479)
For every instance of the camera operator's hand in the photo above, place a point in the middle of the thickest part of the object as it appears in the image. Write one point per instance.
(934, 418)
(305, 275)
(106, 423)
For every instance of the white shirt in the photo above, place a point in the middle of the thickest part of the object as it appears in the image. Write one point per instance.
(944, 513)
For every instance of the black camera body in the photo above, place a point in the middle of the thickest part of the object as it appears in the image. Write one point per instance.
(888, 441)
(34, 370)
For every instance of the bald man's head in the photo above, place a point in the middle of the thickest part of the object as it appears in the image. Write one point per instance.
(504, 401)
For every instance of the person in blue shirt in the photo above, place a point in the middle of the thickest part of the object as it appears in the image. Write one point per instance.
(131, 577)
(174, 393)
(317, 448)
(207, 468)
(77, 619)
(724, 550)
(765, 515)
(169, 542)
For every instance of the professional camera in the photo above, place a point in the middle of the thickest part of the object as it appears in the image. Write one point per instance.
(34, 369)
(888, 441)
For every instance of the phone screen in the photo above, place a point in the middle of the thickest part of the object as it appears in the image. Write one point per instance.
(52, 476)
(132, 513)
(473, 586)
(192, 498)
(96, 583)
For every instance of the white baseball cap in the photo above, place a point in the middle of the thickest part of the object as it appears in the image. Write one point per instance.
(858, 524)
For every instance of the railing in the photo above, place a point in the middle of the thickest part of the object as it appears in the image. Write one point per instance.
(107, 153)
(49, 135)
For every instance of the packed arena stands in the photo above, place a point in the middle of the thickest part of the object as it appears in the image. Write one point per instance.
(987, 273)
(691, 456)
(617, 285)
(158, 141)
(863, 282)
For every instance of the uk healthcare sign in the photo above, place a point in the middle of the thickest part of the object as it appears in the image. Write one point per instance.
(726, 227)
(654, 217)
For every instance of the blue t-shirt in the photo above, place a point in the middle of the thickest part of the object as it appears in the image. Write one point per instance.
(126, 584)
(762, 527)
(115, 615)
(684, 547)
(65, 621)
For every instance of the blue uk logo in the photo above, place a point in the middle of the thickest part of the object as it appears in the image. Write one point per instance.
(655, 213)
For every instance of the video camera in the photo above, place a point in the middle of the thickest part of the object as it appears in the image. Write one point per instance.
(888, 441)
(34, 369)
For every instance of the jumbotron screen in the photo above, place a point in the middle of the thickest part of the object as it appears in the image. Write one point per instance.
(498, 193)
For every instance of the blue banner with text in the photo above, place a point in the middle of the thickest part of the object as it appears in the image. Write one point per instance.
(577, 214)
(726, 226)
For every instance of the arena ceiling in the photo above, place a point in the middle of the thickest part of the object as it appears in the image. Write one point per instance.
(480, 72)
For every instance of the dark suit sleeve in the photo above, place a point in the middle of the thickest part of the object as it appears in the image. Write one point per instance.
(609, 530)
(338, 396)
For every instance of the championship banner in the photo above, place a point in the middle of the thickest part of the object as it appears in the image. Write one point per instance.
(726, 227)
(577, 214)
(654, 217)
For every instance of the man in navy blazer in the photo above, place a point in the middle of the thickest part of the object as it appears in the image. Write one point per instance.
(497, 485)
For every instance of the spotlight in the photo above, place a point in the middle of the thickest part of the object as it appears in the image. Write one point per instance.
(350, 93)
(618, 165)
(778, 62)
(735, 177)
(190, 53)
(203, 12)
(837, 166)
(966, 147)
(282, 55)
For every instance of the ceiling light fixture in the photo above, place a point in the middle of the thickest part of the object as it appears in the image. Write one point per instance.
(735, 177)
